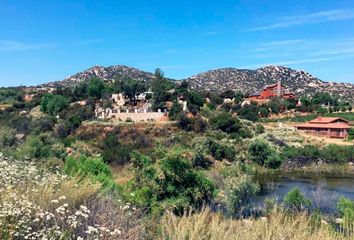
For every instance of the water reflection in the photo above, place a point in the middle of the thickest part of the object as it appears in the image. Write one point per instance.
(323, 189)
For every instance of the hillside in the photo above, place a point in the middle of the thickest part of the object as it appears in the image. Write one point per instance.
(218, 80)
(106, 73)
(250, 81)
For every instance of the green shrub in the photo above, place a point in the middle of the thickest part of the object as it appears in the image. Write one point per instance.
(7, 137)
(238, 194)
(167, 180)
(351, 134)
(199, 160)
(346, 209)
(261, 152)
(175, 110)
(220, 151)
(114, 151)
(294, 200)
(41, 146)
(225, 122)
(53, 104)
(249, 112)
(92, 167)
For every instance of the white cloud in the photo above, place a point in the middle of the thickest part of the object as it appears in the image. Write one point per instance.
(316, 17)
(12, 46)
(210, 33)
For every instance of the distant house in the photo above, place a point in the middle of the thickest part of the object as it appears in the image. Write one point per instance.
(331, 127)
(271, 91)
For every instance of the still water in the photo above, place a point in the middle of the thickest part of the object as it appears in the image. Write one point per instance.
(324, 190)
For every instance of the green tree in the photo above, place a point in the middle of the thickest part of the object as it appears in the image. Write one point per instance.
(294, 200)
(114, 151)
(167, 180)
(53, 104)
(225, 122)
(175, 110)
(227, 94)
(160, 89)
(130, 88)
(261, 152)
(80, 91)
(96, 88)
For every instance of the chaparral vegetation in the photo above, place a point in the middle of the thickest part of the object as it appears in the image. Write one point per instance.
(72, 168)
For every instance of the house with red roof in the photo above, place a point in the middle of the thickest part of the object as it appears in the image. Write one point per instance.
(331, 127)
(273, 90)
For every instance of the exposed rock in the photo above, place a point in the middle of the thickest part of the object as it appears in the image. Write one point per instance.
(251, 81)
(247, 81)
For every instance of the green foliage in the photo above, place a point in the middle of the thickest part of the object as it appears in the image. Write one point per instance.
(261, 152)
(80, 91)
(196, 124)
(331, 153)
(199, 160)
(92, 167)
(53, 104)
(114, 151)
(10, 95)
(225, 122)
(294, 200)
(351, 134)
(7, 137)
(345, 207)
(96, 88)
(175, 110)
(249, 112)
(238, 193)
(167, 180)
(130, 88)
(227, 94)
(159, 88)
(220, 151)
(43, 146)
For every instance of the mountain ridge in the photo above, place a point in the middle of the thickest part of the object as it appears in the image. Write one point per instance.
(300, 82)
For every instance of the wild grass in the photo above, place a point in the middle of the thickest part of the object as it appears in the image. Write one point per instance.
(277, 226)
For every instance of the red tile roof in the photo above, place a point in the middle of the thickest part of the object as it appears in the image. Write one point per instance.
(321, 125)
(323, 120)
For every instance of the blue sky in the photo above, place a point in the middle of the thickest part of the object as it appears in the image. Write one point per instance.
(43, 41)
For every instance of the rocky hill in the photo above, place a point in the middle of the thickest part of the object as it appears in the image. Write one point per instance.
(250, 81)
(105, 73)
(218, 80)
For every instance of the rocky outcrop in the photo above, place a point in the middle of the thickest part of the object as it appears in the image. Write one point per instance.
(250, 81)
(218, 80)
(105, 73)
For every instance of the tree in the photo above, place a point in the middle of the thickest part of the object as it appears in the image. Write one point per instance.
(249, 112)
(239, 96)
(294, 200)
(159, 88)
(225, 122)
(175, 110)
(114, 151)
(130, 88)
(262, 152)
(80, 91)
(96, 87)
(53, 104)
(227, 94)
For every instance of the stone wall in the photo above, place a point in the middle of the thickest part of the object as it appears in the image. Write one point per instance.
(136, 115)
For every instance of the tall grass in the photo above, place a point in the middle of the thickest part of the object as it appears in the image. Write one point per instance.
(277, 226)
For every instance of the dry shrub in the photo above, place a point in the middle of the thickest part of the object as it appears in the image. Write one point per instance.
(106, 213)
(278, 226)
(76, 193)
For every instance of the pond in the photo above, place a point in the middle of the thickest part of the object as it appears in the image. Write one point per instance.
(324, 190)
